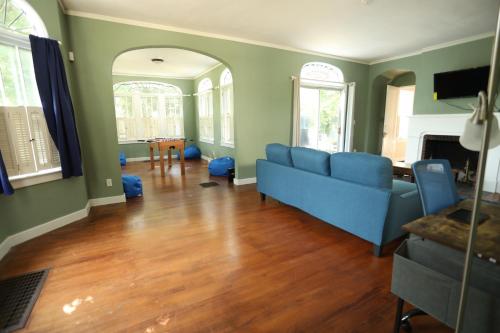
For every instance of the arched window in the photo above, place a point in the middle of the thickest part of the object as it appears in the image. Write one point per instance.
(147, 110)
(27, 147)
(205, 111)
(320, 71)
(320, 122)
(226, 109)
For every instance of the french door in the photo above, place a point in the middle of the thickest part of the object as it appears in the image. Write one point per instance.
(325, 117)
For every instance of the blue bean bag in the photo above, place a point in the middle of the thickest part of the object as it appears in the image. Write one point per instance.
(132, 186)
(123, 159)
(191, 153)
(219, 166)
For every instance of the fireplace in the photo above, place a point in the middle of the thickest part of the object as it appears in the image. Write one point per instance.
(463, 161)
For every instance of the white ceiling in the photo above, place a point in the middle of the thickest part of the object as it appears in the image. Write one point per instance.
(347, 28)
(177, 63)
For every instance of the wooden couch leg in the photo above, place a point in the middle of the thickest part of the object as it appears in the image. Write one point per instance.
(262, 197)
(377, 250)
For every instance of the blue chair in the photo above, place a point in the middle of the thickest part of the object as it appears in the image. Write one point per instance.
(435, 184)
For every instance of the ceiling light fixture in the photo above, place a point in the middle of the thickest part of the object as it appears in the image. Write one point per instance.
(157, 60)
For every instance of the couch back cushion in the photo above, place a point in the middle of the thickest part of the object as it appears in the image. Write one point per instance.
(311, 160)
(279, 153)
(362, 168)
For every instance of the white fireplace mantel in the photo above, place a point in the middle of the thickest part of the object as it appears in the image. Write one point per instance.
(449, 124)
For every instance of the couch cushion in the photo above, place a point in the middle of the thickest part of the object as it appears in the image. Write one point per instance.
(311, 160)
(279, 153)
(362, 168)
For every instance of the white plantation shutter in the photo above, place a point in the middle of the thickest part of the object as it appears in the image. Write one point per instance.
(20, 139)
(9, 157)
(46, 154)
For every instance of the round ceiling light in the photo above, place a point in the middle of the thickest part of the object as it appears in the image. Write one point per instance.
(157, 60)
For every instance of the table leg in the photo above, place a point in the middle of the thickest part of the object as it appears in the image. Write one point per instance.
(169, 157)
(183, 167)
(162, 161)
(152, 157)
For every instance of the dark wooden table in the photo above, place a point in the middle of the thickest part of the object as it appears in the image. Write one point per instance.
(443, 230)
(402, 169)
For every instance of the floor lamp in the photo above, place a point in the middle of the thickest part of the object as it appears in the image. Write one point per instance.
(480, 134)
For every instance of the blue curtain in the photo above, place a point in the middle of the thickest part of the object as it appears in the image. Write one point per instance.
(5, 186)
(56, 102)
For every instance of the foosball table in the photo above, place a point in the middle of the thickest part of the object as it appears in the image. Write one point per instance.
(167, 145)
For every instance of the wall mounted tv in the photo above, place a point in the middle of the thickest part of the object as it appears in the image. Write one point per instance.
(462, 83)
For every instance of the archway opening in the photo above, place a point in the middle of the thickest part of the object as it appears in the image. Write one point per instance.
(172, 93)
(393, 100)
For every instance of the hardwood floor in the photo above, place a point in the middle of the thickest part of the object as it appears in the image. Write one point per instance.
(188, 259)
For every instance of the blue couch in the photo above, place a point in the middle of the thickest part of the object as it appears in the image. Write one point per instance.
(352, 191)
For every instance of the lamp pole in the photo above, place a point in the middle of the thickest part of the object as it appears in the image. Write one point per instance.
(486, 106)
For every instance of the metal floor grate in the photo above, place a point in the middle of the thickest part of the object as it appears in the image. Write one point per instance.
(209, 184)
(17, 298)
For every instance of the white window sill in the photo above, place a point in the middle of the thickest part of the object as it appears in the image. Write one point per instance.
(131, 142)
(207, 141)
(31, 179)
(227, 144)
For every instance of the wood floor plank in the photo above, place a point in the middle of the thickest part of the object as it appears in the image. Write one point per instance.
(188, 259)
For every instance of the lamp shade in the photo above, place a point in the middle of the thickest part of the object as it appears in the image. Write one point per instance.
(473, 134)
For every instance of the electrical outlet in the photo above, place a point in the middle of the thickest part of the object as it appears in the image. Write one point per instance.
(109, 182)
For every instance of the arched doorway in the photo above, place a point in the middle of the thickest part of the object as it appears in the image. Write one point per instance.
(162, 93)
(393, 98)
(323, 119)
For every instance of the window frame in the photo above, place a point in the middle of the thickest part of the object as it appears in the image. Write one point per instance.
(136, 107)
(20, 41)
(226, 87)
(205, 96)
(324, 76)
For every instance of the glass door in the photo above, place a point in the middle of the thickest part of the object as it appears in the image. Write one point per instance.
(322, 118)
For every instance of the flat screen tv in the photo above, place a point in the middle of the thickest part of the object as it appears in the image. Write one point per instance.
(462, 83)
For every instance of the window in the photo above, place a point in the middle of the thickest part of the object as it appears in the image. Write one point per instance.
(205, 111)
(226, 109)
(25, 142)
(147, 110)
(323, 111)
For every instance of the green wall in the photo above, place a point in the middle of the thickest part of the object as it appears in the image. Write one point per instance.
(406, 79)
(188, 106)
(215, 149)
(262, 91)
(472, 54)
(34, 205)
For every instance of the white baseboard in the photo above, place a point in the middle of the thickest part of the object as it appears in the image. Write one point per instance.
(145, 158)
(206, 158)
(245, 181)
(56, 223)
(41, 229)
(107, 200)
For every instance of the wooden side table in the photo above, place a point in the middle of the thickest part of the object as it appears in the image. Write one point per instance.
(167, 145)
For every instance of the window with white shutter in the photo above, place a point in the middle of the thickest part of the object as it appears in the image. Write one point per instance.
(205, 111)
(226, 109)
(26, 145)
(147, 110)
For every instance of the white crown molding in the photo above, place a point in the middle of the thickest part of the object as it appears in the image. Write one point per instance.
(435, 47)
(244, 181)
(56, 223)
(157, 76)
(63, 7)
(207, 71)
(205, 34)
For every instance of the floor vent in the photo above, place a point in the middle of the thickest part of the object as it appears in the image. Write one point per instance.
(17, 298)
(209, 184)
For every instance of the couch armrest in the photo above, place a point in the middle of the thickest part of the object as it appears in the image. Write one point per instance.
(409, 194)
